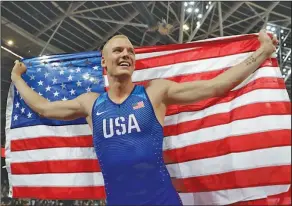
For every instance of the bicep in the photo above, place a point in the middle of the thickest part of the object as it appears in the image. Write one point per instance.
(189, 92)
(63, 110)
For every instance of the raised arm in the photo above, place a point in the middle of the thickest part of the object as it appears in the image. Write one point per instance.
(189, 92)
(61, 110)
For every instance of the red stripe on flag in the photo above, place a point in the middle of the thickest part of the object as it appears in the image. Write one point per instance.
(211, 43)
(56, 166)
(51, 142)
(279, 199)
(261, 83)
(2, 152)
(228, 145)
(276, 175)
(56, 193)
(243, 112)
(198, 54)
(203, 75)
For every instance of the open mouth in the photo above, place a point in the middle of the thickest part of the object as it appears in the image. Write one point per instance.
(124, 64)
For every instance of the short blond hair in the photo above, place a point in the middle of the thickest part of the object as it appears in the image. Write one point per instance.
(114, 37)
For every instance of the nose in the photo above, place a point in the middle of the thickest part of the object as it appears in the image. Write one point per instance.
(125, 53)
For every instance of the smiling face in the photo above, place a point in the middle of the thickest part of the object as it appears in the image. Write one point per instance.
(118, 57)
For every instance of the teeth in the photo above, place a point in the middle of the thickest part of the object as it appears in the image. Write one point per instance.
(124, 64)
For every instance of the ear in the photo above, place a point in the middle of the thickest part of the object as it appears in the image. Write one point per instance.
(103, 62)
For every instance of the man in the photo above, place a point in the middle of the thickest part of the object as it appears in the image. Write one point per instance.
(127, 121)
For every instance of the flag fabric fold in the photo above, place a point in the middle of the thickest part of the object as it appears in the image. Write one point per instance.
(218, 151)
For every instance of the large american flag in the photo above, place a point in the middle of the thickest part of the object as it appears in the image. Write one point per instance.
(217, 151)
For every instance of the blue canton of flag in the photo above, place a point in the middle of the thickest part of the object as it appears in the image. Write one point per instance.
(58, 78)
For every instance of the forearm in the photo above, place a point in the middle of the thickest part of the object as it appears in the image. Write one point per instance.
(236, 74)
(31, 98)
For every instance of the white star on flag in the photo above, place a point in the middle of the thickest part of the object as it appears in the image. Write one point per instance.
(56, 94)
(48, 88)
(72, 91)
(79, 83)
(95, 68)
(32, 77)
(64, 99)
(63, 86)
(78, 70)
(39, 69)
(22, 110)
(40, 94)
(29, 115)
(15, 117)
(40, 83)
(46, 74)
(88, 89)
(70, 78)
(17, 105)
(61, 72)
(55, 80)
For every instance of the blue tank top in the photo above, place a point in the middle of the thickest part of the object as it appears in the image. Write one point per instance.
(128, 141)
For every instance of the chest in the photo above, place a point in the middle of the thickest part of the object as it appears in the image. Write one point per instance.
(112, 120)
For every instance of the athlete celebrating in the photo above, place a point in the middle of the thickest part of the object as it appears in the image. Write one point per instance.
(127, 121)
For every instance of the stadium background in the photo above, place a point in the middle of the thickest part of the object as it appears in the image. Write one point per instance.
(31, 29)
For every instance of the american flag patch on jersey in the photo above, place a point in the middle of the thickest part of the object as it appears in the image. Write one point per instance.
(138, 105)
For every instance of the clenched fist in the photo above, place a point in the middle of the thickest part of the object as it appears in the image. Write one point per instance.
(18, 69)
(268, 43)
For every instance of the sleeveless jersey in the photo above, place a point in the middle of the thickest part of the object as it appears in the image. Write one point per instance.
(128, 141)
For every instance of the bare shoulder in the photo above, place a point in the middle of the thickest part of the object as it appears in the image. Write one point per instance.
(158, 86)
(88, 96)
(156, 90)
(87, 100)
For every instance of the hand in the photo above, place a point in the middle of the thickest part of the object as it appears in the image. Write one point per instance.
(18, 69)
(268, 43)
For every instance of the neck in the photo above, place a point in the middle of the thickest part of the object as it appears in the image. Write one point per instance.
(119, 88)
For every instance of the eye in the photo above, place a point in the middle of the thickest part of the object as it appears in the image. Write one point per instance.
(117, 50)
(131, 51)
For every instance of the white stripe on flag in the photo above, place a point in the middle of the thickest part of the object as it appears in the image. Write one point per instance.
(246, 126)
(65, 153)
(260, 73)
(232, 162)
(256, 96)
(224, 197)
(42, 130)
(191, 67)
(62, 180)
(235, 128)
(236, 161)
(240, 127)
